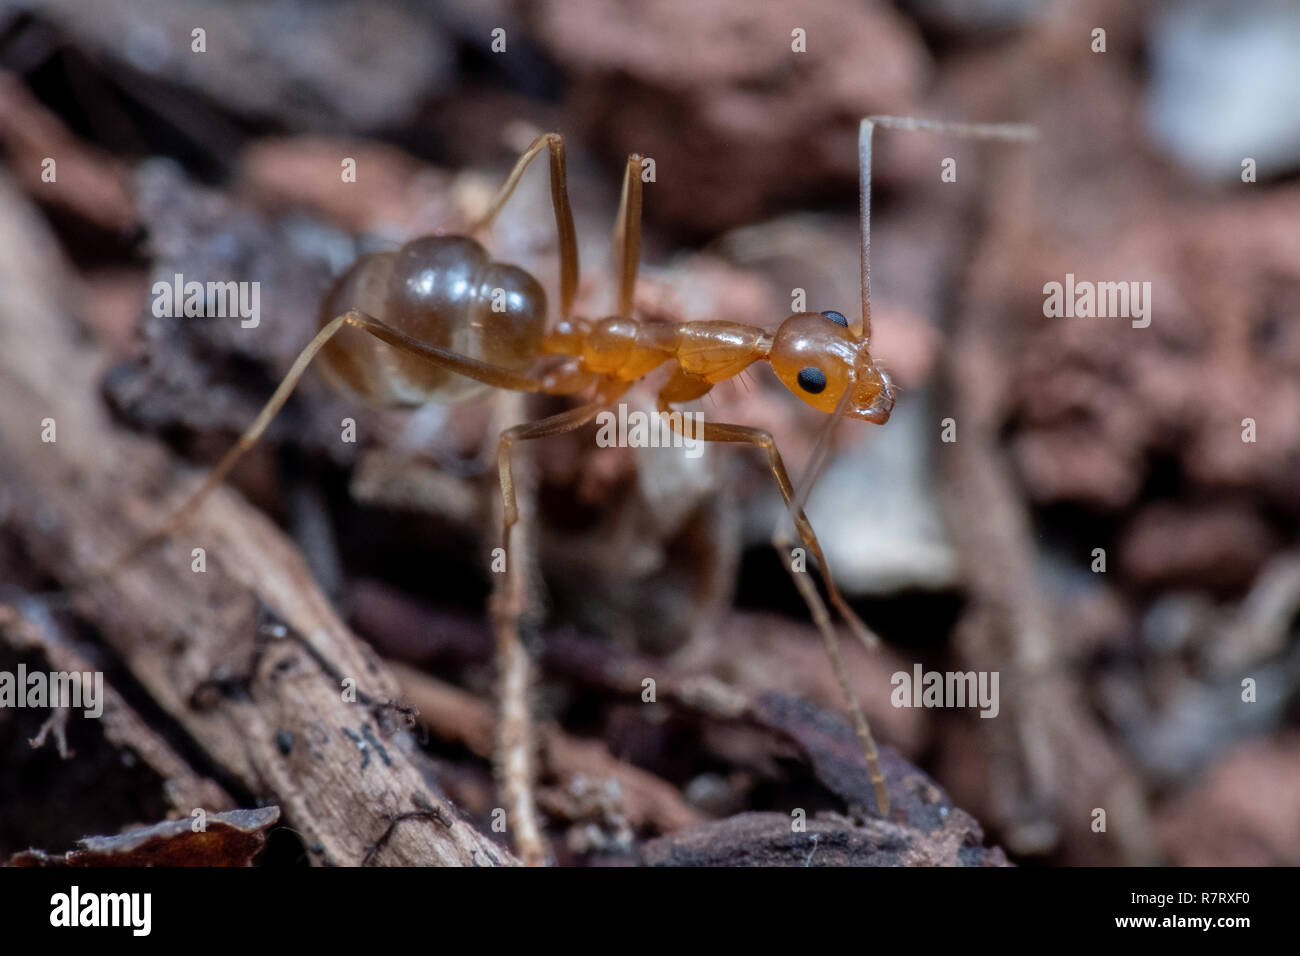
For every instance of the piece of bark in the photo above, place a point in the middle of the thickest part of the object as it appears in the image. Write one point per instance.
(262, 699)
(770, 839)
(184, 789)
(822, 738)
(233, 838)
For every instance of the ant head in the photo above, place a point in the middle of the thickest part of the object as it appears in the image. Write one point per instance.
(816, 356)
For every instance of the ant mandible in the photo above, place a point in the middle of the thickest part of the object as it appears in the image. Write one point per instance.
(418, 324)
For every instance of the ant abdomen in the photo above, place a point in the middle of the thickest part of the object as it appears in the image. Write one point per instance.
(443, 290)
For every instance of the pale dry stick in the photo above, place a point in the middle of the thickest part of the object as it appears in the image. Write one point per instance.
(1051, 761)
(515, 758)
(517, 739)
(516, 746)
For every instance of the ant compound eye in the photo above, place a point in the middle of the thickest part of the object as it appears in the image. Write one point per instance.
(812, 379)
(838, 318)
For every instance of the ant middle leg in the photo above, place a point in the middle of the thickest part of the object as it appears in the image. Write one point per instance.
(760, 438)
(568, 238)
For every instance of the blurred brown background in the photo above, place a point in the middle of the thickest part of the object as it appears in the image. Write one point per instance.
(1120, 690)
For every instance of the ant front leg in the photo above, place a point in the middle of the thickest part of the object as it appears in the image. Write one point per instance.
(776, 465)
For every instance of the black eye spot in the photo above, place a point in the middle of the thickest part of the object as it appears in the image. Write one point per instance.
(812, 379)
(837, 317)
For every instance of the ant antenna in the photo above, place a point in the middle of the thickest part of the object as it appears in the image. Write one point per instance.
(1012, 132)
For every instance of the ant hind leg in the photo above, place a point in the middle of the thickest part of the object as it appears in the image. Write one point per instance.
(627, 234)
(564, 229)
(445, 358)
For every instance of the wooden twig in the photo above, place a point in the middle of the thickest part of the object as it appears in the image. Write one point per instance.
(515, 760)
(260, 705)
(123, 727)
(1045, 726)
